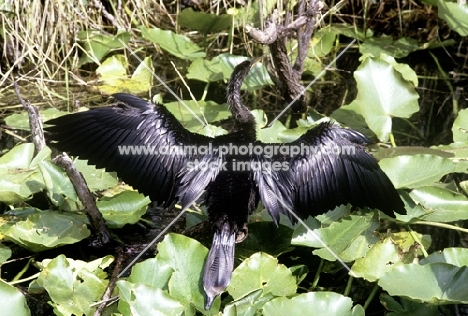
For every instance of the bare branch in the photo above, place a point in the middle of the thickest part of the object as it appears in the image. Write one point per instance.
(90, 208)
(35, 121)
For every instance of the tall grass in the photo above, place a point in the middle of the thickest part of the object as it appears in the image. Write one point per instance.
(40, 44)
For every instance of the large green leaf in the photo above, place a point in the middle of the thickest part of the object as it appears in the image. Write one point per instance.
(261, 271)
(405, 307)
(174, 276)
(47, 230)
(417, 170)
(21, 121)
(13, 301)
(351, 116)
(455, 14)
(113, 76)
(436, 283)
(316, 303)
(142, 299)
(383, 94)
(73, 285)
(152, 272)
(96, 179)
(458, 150)
(126, 207)
(98, 45)
(444, 205)
(187, 258)
(206, 70)
(456, 256)
(347, 239)
(178, 45)
(204, 22)
(19, 157)
(59, 186)
(5, 253)
(382, 257)
(386, 45)
(19, 175)
(265, 237)
(221, 68)
(205, 110)
(248, 305)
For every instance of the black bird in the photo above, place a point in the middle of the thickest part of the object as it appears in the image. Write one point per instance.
(307, 183)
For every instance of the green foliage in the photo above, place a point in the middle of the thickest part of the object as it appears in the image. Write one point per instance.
(405, 171)
(73, 284)
(113, 75)
(322, 303)
(97, 45)
(13, 301)
(206, 23)
(435, 283)
(383, 93)
(46, 230)
(123, 208)
(177, 45)
(455, 15)
(347, 239)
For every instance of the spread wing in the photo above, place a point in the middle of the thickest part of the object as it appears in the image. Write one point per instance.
(336, 170)
(142, 142)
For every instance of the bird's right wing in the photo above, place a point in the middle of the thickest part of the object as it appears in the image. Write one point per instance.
(337, 170)
(142, 142)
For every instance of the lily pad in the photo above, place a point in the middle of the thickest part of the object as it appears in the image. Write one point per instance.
(96, 179)
(13, 301)
(175, 44)
(73, 284)
(192, 112)
(455, 255)
(346, 240)
(204, 22)
(123, 208)
(455, 14)
(382, 257)
(113, 76)
(98, 45)
(321, 303)
(382, 94)
(444, 205)
(416, 170)
(261, 271)
(185, 284)
(435, 283)
(141, 299)
(47, 230)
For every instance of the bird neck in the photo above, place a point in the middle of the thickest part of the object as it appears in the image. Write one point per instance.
(241, 114)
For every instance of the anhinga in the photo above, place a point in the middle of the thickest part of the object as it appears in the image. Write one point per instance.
(306, 183)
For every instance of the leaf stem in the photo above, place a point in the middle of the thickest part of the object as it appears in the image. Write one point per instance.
(317, 274)
(371, 296)
(23, 271)
(392, 139)
(29, 278)
(348, 286)
(443, 225)
(416, 239)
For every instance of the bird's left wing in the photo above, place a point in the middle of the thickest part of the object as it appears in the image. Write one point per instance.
(331, 168)
(143, 142)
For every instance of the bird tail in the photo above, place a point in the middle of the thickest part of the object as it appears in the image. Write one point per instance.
(219, 264)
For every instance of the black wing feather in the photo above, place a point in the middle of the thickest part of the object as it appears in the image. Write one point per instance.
(96, 135)
(318, 182)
